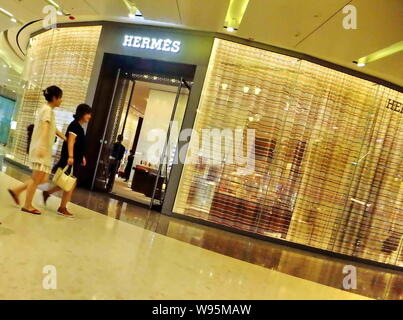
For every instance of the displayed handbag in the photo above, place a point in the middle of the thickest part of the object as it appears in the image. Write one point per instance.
(64, 181)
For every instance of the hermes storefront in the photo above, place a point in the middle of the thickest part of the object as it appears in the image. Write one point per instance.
(327, 146)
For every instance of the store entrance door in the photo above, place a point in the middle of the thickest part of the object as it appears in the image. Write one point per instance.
(170, 151)
(140, 136)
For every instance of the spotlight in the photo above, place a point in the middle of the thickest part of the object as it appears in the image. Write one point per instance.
(59, 12)
(13, 19)
(257, 117)
(230, 29)
(359, 64)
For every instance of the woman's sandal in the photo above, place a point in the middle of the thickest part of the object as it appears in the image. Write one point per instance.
(34, 211)
(14, 196)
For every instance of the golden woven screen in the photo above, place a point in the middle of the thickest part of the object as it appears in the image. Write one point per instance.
(62, 57)
(327, 148)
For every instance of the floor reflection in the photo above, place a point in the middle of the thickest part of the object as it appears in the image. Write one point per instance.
(372, 282)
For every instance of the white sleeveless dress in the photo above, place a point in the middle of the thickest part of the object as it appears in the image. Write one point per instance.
(44, 114)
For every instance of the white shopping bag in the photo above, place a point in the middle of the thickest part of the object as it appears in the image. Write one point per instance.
(64, 181)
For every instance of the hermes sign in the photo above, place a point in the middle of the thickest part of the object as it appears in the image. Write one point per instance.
(394, 105)
(166, 45)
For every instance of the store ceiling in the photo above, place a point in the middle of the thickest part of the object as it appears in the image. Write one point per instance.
(310, 26)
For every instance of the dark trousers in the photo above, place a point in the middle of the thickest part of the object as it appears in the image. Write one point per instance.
(128, 168)
(113, 168)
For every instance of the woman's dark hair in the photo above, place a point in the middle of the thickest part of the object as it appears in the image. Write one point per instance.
(30, 130)
(81, 111)
(52, 92)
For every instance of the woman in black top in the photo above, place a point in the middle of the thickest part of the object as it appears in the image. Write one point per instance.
(72, 154)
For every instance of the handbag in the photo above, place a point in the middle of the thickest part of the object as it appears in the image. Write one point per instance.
(64, 181)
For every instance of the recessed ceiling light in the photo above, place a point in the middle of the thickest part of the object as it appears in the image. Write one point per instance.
(13, 19)
(246, 89)
(360, 64)
(59, 12)
(230, 29)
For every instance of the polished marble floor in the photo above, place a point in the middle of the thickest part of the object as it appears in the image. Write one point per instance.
(122, 189)
(141, 246)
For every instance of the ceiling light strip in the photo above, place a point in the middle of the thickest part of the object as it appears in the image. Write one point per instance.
(60, 12)
(235, 13)
(133, 10)
(128, 4)
(6, 12)
(380, 54)
(53, 3)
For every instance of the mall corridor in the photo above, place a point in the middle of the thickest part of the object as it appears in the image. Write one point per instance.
(98, 257)
(207, 150)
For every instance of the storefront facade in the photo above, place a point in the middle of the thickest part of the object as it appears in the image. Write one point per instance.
(326, 157)
(324, 166)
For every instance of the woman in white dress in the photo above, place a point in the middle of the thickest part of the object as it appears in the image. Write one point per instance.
(40, 151)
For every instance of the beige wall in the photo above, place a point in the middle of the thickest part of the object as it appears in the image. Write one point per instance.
(155, 125)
